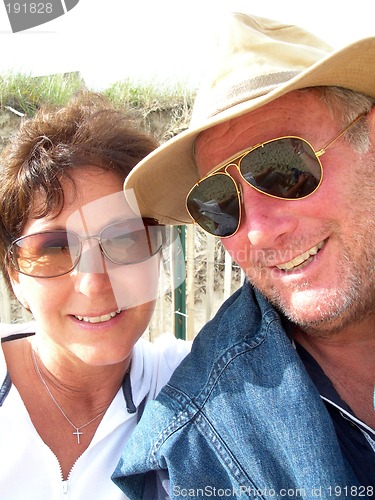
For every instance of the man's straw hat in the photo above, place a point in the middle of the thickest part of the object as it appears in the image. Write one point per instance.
(258, 61)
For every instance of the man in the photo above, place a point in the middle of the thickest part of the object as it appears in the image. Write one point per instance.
(277, 397)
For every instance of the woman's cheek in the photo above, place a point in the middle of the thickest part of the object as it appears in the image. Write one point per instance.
(136, 284)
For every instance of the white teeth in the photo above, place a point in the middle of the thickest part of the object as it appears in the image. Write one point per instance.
(98, 319)
(301, 258)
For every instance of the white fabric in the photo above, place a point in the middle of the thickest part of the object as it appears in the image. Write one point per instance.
(28, 468)
(7, 329)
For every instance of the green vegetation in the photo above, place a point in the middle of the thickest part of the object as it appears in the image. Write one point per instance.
(163, 109)
(148, 96)
(26, 93)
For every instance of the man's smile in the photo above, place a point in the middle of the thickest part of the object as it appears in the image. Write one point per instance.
(302, 259)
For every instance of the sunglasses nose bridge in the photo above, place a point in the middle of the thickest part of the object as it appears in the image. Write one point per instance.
(230, 174)
(237, 182)
(231, 164)
(91, 256)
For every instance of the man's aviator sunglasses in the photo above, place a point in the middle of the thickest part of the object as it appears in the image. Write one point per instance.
(286, 168)
(49, 254)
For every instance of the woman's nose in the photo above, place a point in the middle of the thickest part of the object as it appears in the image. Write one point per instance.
(91, 272)
(92, 259)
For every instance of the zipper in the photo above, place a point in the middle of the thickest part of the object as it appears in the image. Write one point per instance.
(65, 483)
(65, 487)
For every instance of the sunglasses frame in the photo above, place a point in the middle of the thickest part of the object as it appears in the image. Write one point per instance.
(147, 221)
(235, 161)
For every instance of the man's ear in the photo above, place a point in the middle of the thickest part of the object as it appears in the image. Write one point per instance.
(18, 290)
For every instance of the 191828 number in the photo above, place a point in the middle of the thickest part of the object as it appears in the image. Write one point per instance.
(31, 8)
(350, 491)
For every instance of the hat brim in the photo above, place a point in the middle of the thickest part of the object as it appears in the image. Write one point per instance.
(163, 179)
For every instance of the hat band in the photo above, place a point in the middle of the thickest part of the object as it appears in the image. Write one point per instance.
(244, 91)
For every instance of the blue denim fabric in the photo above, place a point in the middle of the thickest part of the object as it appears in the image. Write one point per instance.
(240, 418)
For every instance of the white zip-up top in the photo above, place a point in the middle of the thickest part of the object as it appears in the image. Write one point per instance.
(28, 468)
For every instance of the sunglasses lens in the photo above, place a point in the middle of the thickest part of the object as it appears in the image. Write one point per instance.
(46, 255)
(130, 241)
(286, 168)
(214, 205)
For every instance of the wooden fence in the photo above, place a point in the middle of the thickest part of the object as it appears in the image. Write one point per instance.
(211, 277)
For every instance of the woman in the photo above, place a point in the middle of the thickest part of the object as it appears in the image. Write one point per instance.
(77, 256)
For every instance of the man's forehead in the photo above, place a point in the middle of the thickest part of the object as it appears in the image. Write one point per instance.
(215, 144)
(225, 139)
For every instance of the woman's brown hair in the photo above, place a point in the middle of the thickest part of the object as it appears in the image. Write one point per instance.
(87, 131)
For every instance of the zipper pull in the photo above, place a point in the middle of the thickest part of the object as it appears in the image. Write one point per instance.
(65, 486)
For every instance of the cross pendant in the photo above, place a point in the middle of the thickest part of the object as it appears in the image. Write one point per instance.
(78, 433)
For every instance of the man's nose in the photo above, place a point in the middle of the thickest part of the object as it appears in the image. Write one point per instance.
(265, 219)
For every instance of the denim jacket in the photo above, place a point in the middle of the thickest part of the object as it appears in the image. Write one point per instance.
(240, 418)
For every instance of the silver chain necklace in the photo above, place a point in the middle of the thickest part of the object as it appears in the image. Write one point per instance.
(77, 430)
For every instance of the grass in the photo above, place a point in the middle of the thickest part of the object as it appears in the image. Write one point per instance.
(148, 95)
(163, 109)
(26, 93)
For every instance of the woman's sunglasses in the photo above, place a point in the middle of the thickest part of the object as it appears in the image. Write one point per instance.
(286, 168)
(50, 254)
